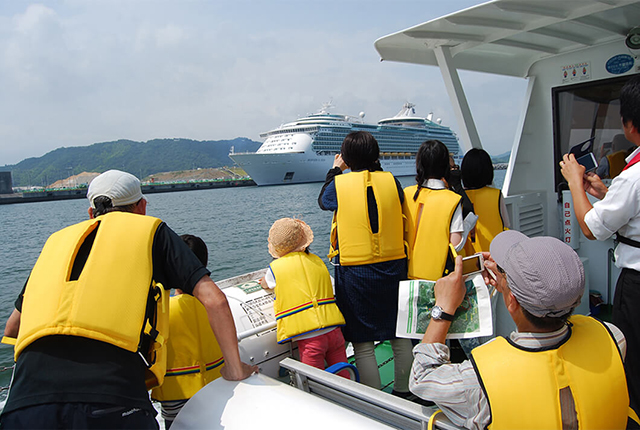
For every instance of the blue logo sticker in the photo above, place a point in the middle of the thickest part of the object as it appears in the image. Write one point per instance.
(620, 64)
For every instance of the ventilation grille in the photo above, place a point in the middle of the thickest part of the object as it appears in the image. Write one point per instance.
(531, 219)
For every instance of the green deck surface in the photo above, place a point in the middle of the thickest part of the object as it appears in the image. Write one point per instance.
(384, 356)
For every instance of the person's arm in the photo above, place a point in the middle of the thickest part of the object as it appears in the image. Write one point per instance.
(618, 336)
(453, 387)
(13, 324)
(224, 328)
(268, 282)
(175, 265)
(574, 173)
(449, 292)
(457, 228)
(327, 200)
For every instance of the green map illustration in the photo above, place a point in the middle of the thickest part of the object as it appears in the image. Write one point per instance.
(467, 318)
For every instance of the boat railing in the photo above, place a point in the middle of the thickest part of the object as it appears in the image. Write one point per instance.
(256, 330)
(376, 404)
(230, 282)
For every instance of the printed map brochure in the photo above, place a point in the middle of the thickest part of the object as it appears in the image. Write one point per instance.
(472, 319)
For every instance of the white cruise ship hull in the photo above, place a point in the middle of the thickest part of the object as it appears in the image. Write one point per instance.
(303, 167)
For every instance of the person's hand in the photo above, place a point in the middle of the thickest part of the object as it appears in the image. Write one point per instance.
(238, 373)
(572, 171)
(263, 284)
(339, 162)
(593, 185)
(450, 290)
(489, 272)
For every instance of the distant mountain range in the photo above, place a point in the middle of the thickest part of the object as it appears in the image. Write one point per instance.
(139, 158)
(502, 158)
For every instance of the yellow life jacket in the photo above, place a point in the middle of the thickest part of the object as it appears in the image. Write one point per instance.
(428, 230)
(617, 162)
(194, 357)
(486, 204)
(525, 388)
(109, 299)
(304, 296)
(358, 244)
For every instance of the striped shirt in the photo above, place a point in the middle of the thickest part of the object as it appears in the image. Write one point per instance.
(455, 387)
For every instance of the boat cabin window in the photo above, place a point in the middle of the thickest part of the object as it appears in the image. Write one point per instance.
(586, 111)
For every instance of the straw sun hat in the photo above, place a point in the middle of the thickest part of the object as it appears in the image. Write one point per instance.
(289, 235)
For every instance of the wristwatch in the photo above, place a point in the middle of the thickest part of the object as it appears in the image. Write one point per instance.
(438, 314)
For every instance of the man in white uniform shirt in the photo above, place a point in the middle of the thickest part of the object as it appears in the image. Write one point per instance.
(617, 212)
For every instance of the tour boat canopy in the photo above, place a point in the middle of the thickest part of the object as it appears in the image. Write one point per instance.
(506, 37)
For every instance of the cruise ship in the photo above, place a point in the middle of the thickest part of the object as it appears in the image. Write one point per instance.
(304, 150)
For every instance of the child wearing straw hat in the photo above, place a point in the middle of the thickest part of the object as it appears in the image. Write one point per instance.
(305, 307)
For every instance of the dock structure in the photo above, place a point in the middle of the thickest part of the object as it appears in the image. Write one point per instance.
(6, 186)
(147, 188)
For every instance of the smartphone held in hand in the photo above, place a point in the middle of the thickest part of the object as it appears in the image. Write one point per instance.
(473, 264)
(588, 161)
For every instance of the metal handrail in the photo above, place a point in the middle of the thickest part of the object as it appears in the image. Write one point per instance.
(376, 404)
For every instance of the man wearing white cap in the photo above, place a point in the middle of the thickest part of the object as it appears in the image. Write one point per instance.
(91, 321)
(556, 371)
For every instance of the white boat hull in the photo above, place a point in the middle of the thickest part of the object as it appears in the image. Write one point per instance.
(302, 167)
(252, 310)
(260, 402)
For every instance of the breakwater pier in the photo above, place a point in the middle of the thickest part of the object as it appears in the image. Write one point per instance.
(46, 195)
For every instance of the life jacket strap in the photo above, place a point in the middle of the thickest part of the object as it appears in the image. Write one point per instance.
(333, 246)
(303, 307)
(8, 340)
(150, 339)
(432, 419)
(633, 415)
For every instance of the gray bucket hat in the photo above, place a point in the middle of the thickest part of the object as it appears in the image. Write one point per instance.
(545, 275)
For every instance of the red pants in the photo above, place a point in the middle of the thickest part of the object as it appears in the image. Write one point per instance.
(327, 347)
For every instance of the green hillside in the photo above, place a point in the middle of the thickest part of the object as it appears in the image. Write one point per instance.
(138, 158)
(502, 158)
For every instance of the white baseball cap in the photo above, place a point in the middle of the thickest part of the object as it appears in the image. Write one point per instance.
(121, 187)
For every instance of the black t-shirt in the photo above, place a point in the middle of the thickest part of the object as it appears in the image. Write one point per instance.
(75, 369)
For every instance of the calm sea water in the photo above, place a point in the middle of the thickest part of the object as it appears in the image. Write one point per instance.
(234, 223)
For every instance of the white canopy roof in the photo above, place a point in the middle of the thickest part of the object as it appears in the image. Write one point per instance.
(507, 36)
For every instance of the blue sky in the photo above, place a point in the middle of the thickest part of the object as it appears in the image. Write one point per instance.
(77, 72)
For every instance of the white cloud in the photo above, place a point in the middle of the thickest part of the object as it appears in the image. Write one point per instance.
(36, 20)
(77, 72)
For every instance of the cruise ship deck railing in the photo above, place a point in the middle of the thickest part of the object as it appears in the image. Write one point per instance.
(376, 404)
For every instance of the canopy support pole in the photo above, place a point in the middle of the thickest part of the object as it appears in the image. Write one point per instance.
(470, 138)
